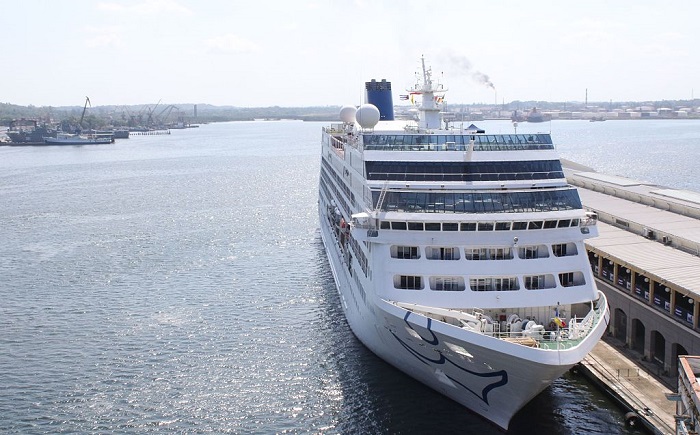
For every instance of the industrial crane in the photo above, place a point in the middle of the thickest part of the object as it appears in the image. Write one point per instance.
(80, 124)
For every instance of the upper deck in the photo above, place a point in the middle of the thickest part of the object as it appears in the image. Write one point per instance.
(458, 140)
(441, 140)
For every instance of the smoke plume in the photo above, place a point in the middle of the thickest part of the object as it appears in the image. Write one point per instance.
(465, 67)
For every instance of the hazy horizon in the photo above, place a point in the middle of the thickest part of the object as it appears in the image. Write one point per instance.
(314, 53)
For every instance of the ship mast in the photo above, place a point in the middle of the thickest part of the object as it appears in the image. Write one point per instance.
(428, 111)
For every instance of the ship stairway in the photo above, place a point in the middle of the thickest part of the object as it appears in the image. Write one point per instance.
(382, 197)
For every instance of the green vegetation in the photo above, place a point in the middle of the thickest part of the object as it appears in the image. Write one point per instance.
(166, 115)
(159, 115)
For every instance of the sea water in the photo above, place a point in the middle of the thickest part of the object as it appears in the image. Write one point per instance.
(179, 284)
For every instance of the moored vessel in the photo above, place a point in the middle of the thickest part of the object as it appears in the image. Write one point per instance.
(29, 131)
(78, 139)
(458, 255)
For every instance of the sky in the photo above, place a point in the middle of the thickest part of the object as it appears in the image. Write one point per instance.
(296, 53)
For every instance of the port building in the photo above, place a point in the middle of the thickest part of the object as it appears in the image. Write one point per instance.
(647, 262)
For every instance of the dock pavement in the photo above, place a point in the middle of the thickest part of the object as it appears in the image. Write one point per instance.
(614, 369)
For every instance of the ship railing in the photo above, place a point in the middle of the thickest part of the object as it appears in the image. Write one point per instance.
(591, 219)
(337, 143)
(334, 129)
(551, 338)
(458, 147)
(472, 176)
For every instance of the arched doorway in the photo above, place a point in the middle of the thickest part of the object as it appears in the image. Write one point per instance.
(638, 335)
(677, 350)
(658, 348)
(620, 331)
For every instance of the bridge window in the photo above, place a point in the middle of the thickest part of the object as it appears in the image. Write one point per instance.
(415, 226)
(450, 226)
(398, 225)
(519, 225)
(502, 226)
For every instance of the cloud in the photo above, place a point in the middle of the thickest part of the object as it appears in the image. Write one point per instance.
(103, 36)
(230, 43)
(147, 7)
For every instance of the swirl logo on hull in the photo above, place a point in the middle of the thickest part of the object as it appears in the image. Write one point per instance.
(500, 375)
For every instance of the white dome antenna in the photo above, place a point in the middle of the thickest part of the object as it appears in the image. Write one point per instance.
(367, 116)
(347, 114)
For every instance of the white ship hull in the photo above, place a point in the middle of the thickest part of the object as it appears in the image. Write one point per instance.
(458, 255)
(490, 377)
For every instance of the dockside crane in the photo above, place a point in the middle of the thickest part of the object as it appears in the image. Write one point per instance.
(80, 124)
(150, 121)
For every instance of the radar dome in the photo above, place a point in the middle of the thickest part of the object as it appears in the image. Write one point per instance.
(347, 114)
(367, 115)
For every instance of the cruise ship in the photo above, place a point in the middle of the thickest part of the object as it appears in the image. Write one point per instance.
(458, 255)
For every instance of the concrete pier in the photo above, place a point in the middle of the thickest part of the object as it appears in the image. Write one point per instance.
(631, 386)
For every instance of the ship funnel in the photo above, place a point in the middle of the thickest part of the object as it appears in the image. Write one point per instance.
(379, 95)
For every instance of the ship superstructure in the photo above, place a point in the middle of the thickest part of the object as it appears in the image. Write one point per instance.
(458, 254)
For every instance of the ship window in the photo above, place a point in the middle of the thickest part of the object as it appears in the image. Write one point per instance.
(480, 284)
(506, 284)
(432, 226)
(494, 284)
(502, 226)
(570, 279)
(534, 225)
(519, 225)
(566, 279)
(405, 252)
(534, 282)
(574, 222)
(550, 224)
(532, 252)
(447, 283)
(398, 225)
(488, 253)
(485, 226)
(564, 249)
(450, 226)
(415, 226)
(441, 253)
(502, 253)
(408, 282)
(385, 225)
(564, 223)
(468, 226)
(478, 202)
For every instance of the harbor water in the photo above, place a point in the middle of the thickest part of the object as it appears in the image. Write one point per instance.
(178, 283)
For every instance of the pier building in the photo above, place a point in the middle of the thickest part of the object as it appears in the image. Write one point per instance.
(688, 397)
(647, 262)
